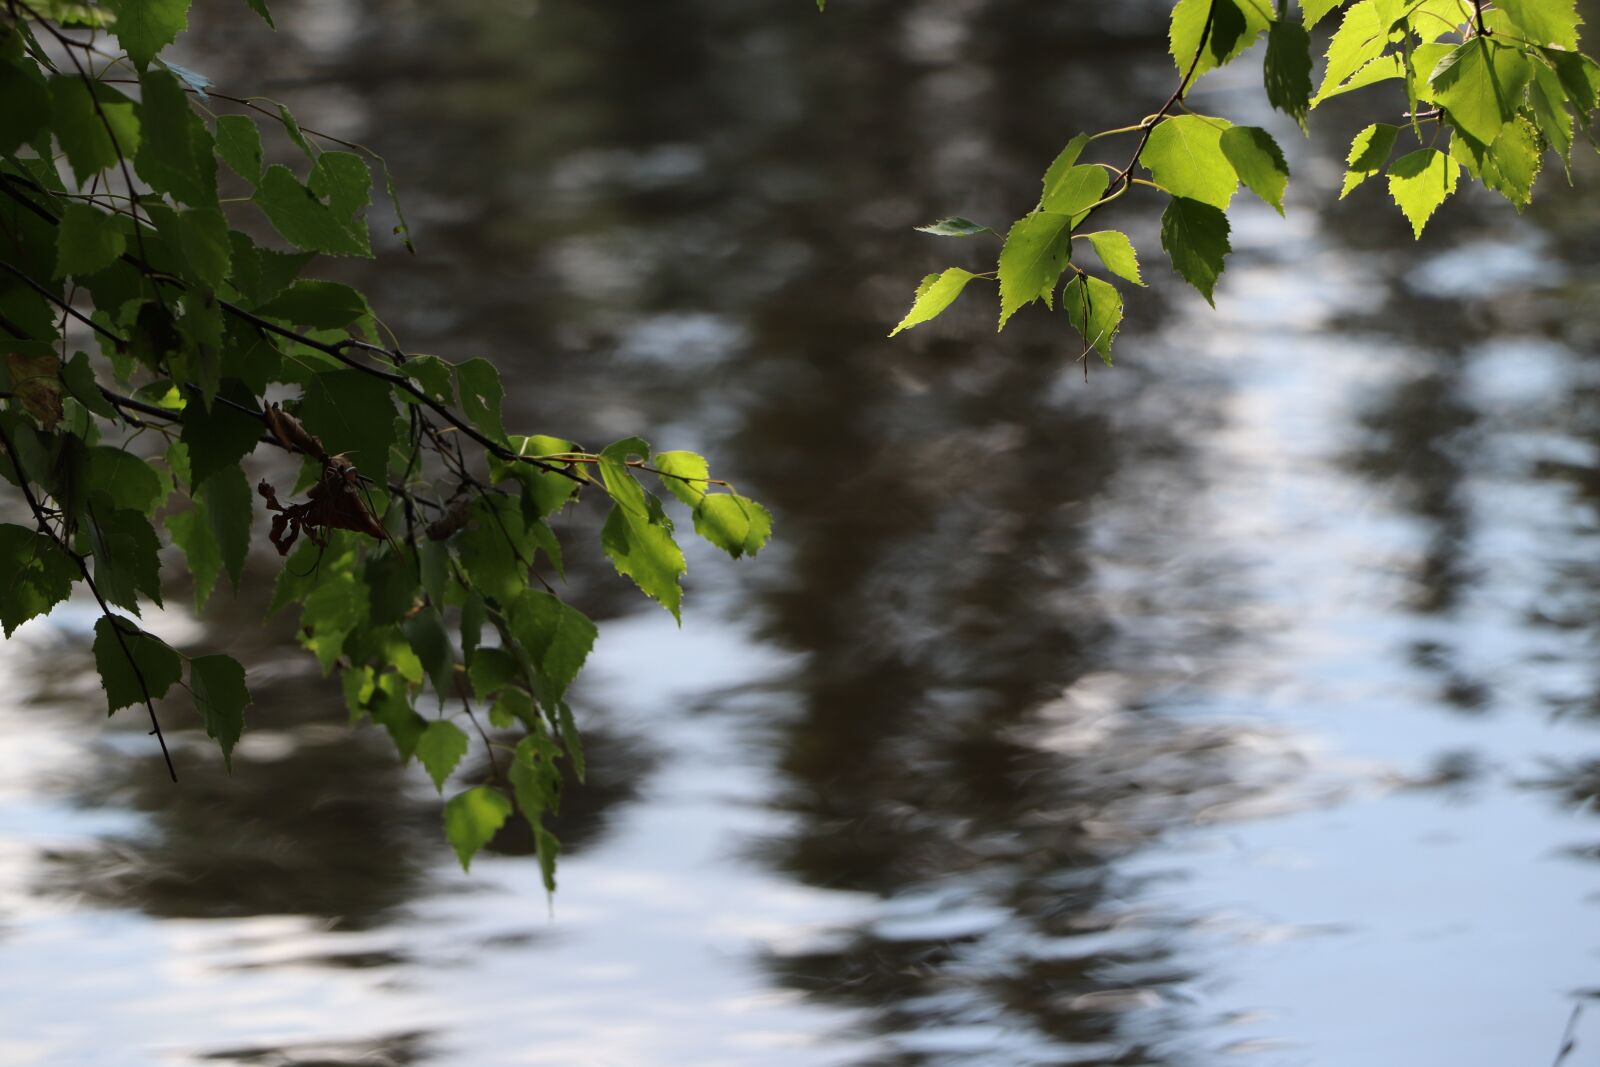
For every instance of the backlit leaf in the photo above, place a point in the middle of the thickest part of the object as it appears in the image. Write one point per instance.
(35, 575)
(1369, 154)
(1420, 182)
(1035, 253)
(1258, 161)
(471, 820)
(145, 27)
(954, 226)
(440, 749)
(937, 292)
(1116, 252)
(736, 524)
(1184, 155)
(87, 240)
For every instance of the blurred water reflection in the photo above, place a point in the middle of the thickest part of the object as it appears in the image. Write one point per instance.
(1239, 702)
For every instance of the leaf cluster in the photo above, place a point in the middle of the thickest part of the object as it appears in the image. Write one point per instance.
(1490, 90)
(153, 345)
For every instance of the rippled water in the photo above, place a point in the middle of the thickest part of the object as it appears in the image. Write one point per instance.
(1237, 705)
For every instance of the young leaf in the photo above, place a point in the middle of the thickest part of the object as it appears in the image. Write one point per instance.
(1288, 69)
(1116, 252)
(1550, 110)
(1361, 38)
(556, 637)
(736, 524)
(1258, 161)
(35, 575)
(1313, 11)
(1195, 235)
(305, 221)
(1369, 153)
(145, 27)
(221, 697)
(87, 240)
(1545, 22)
(126, 553)
(175, 148)
(1228, 28)
(1481, 84)
(471, 819)
(937, 292)
(353, 413)
(1510, 166)
(222, 435)
(1094, 307)
(132, 664)
(318, 304)
(645, 552)
(954, 226)
(440, 749)
(1035, 253)
(191, 532)
(1076, 190)
(481, 394)
(239, 146)
(1420, 182)
(690, 470)
(90, 143)
(1184, 155)
(1063, 164)
(228, 502)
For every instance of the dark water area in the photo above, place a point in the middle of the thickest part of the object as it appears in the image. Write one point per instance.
(1236, 705)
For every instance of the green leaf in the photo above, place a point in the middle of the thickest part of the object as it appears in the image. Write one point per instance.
(221, 697)
(481, 394)
(937, 292)
(495, 549)
(132, 664)
(1420, 182)
(1116, 252)
(1288, 69)
(1313, 11)
(92, 143)
(1233, 29)
(228, 502)
(1036, 251)
(1184, 155)
(145, 27)
(646, 553)
(1361, 38)
(87, 240)
(736, 524)
(1579, 76)
(954, 226)
(556, 637)
(203, 240)
(262, 273)
(1550, 111)
(1510, 166)
(1063, 164)
(126, 553)
(440, 749)
(344, 180)
(192, 533)
(1382, 69)
(1094, 307)
(305, 221)
(544, 493)
(1195, 235)
(27, 112)
(433, 649)
(125, 479)
(336, 605)
(175, 148)
(353, 413)
(1545, 22)
(35, 575)
(434, 375)
(223, 435)
(1077, 190)
(570, 738)
(318, 304)
(1258, 161)
(1481, 83)
(1369, 153)
(471, 820)
(491, 670)
(78, 377)
(239, 145)
(683, 465)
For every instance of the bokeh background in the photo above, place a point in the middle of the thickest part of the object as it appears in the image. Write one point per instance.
(1237, 705)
